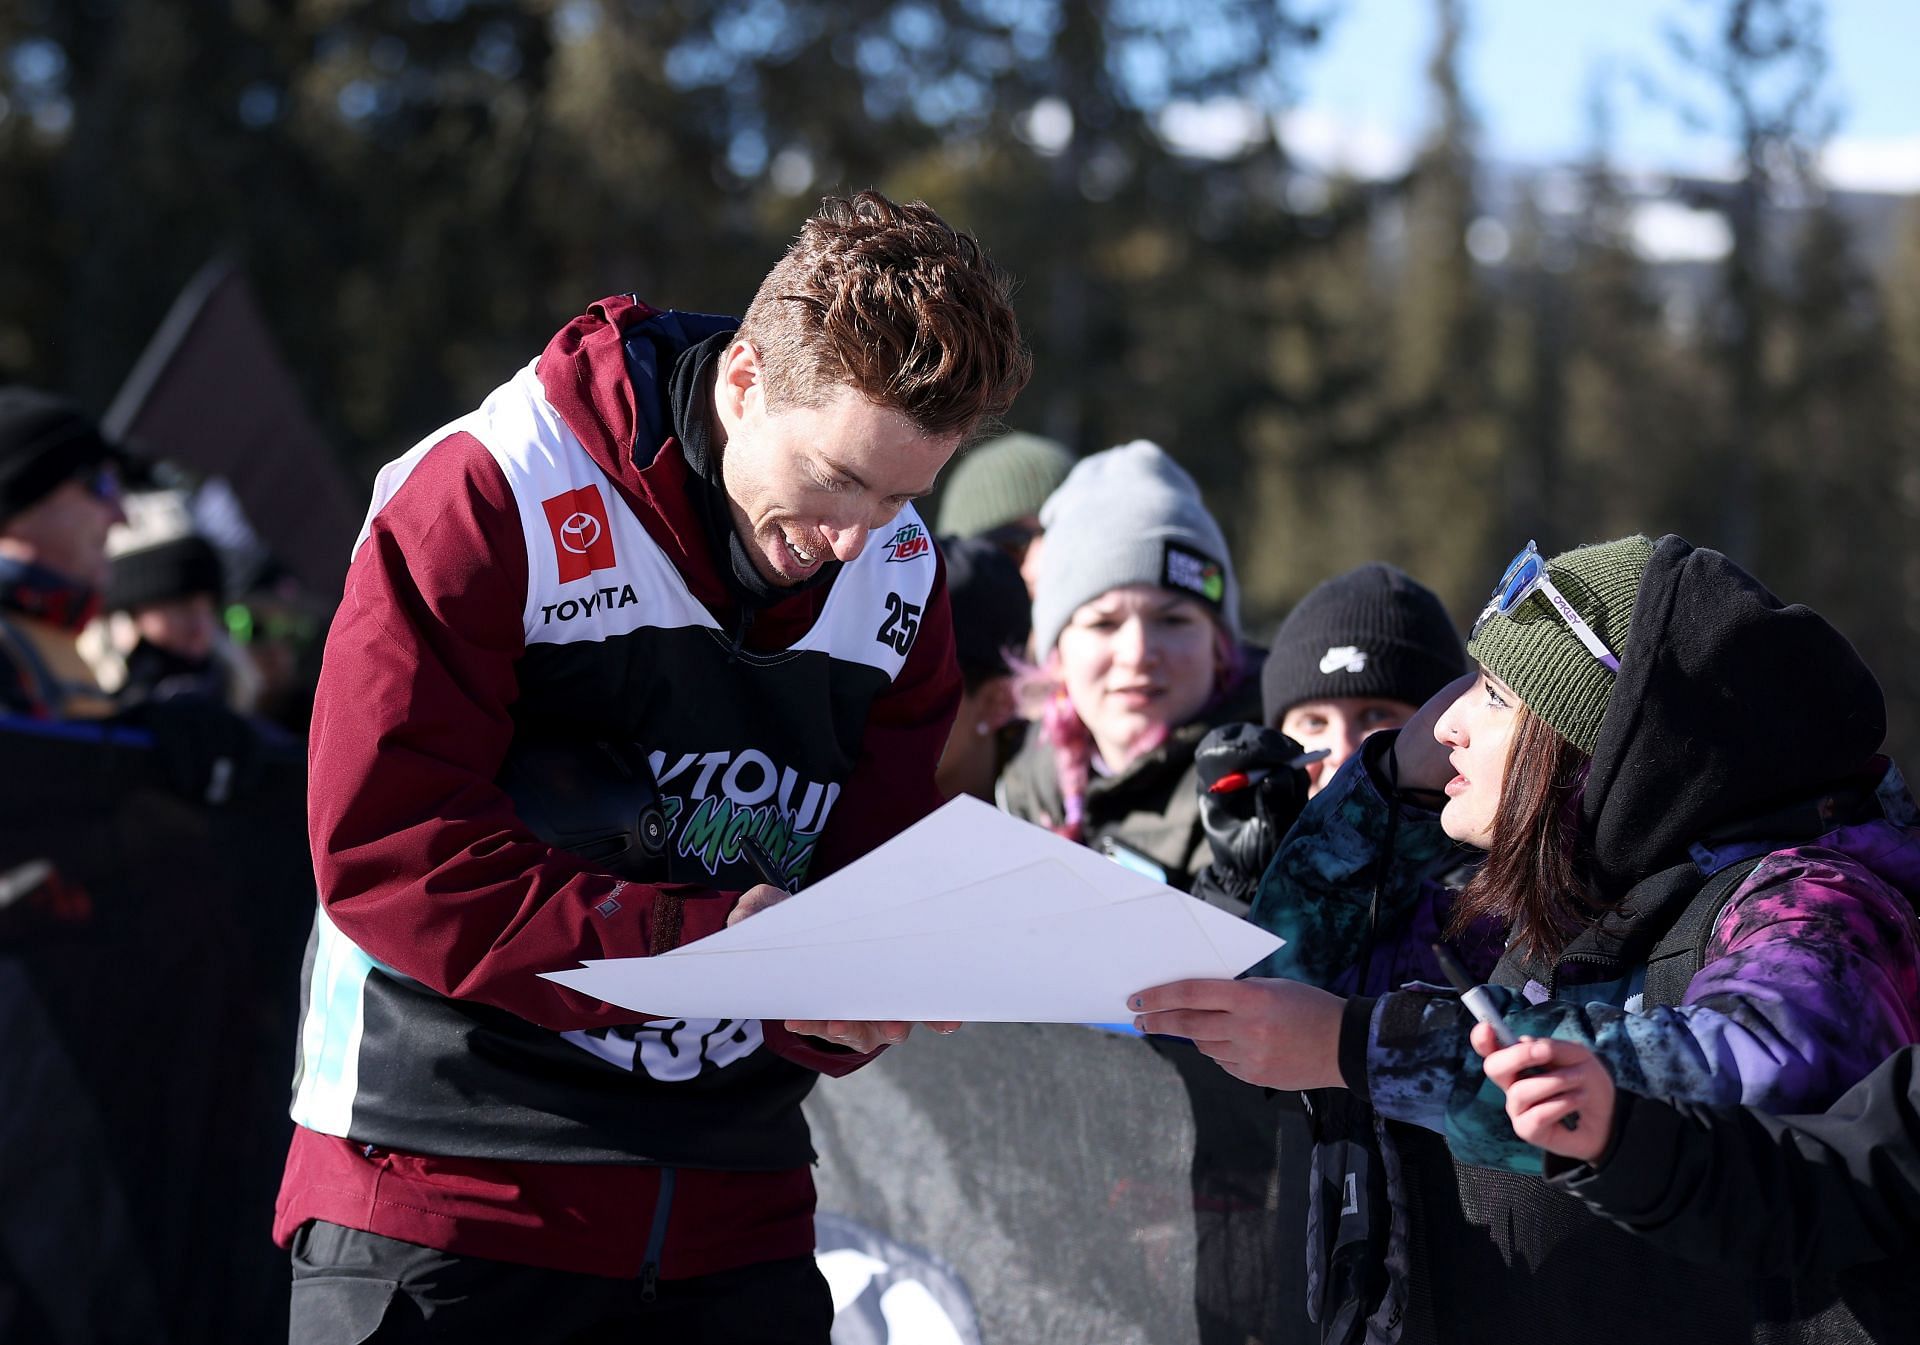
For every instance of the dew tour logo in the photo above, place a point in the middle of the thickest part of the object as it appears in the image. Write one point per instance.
(910, 543)
(713, 800)
(719, 799)
(1190, 571)
(582, 541)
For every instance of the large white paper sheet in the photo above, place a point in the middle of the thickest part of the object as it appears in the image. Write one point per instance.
(1046, 888)
(1073, 968)
(969, 916)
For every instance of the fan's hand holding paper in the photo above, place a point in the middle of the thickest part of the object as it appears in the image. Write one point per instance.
(968, 916)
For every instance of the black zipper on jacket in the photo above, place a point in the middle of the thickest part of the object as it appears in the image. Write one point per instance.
(657, 1236)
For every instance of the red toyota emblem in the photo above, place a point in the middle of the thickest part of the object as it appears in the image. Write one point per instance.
(582, 542)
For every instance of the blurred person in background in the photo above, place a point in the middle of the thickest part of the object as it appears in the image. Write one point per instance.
(72, 1265)
(166, 626)
(277, 625)
(1137, 630)
(60, 493)
(1359, 653)
(992, 619)
(996, 491)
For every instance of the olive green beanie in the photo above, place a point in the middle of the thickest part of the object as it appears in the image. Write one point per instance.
(1534, 651)
(1000, 482)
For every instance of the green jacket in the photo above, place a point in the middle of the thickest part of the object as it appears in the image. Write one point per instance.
(1152, 806)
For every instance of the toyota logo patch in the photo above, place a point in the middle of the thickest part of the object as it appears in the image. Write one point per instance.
(582, 541)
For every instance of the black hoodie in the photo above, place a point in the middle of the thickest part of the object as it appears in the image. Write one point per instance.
(1729, 705)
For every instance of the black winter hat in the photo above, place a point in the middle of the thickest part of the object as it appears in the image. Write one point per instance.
(1373, 631)
(45, 441)
(991, 610)
(175, 568)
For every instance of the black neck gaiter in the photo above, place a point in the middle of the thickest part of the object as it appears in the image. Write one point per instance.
(689, 397)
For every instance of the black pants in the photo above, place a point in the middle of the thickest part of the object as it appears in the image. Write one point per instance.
(351, 1287)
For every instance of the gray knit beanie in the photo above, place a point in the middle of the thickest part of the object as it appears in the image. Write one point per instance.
(1000, 481)
(1130, 515)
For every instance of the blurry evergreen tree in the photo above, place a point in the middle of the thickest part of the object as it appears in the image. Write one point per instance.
(1531, 360)
(422, 190)
(1892, 582)
(1388, 443)
(1041, 127)
(1831, 508)
(1803, 373)
(1765, 63)
(1454, 447)
(1635, 407)
(370, 164)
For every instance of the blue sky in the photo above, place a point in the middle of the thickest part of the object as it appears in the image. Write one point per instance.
(1529, 64)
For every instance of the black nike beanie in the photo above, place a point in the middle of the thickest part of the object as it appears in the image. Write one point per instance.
(1373, 631)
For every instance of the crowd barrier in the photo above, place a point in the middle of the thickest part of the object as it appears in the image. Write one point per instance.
(1060, 1184)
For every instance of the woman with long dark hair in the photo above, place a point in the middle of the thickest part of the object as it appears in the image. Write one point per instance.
(1674, 777)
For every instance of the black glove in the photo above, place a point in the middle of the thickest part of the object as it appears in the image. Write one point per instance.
(1250, 794)
(1350, 1219)
(595, 800)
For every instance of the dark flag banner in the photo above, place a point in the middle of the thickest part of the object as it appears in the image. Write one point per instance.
(212, 394)
(1020, 1183)
(149, 979)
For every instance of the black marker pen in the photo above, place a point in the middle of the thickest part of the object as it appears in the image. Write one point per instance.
(763, 862)
(1480, 1004)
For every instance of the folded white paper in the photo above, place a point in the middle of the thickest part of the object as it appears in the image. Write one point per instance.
(1044, 888)
(961, 844)
(971, 916)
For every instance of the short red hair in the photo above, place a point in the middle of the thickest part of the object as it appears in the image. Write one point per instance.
(895, 303)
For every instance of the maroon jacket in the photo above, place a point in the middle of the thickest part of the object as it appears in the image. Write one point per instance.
(439, 906)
